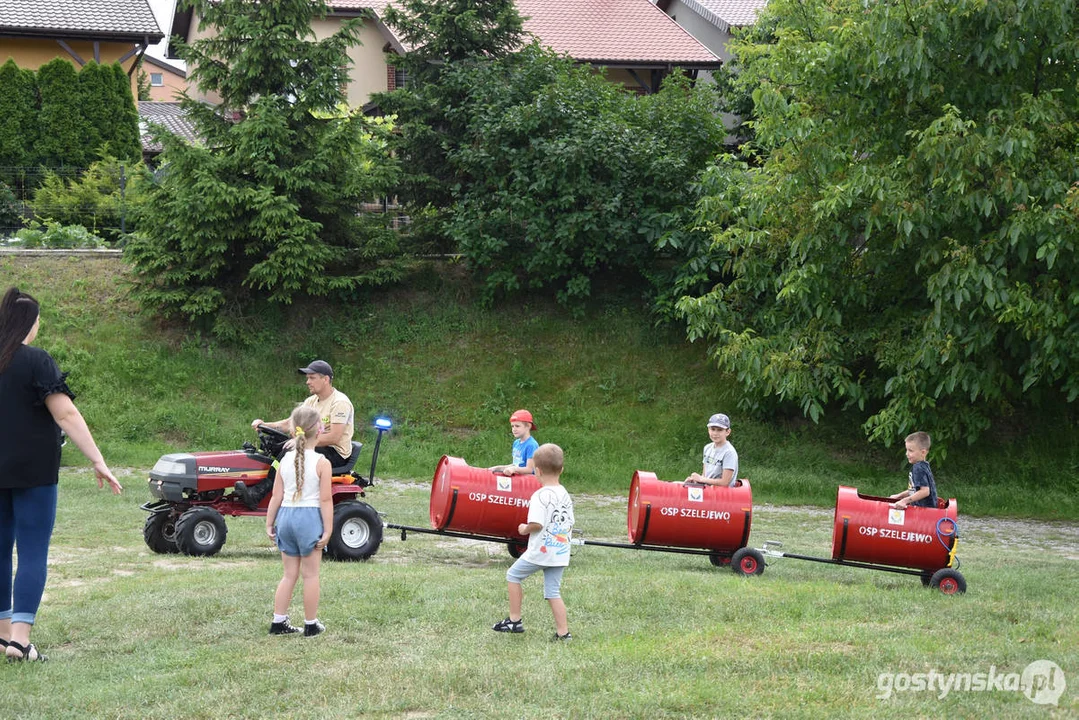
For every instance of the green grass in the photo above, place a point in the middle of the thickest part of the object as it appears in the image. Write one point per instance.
(137, 635)
(617, 393)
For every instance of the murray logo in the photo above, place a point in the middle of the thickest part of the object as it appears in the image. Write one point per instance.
(213, 469)
(504, 484)
(695, 494)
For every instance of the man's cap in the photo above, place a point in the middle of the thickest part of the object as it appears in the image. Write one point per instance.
(523, 416)
(719, 420)
(318, 366)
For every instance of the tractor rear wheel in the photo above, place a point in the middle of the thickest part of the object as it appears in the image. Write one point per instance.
(357, 531)
(200, 531)
(159, 532)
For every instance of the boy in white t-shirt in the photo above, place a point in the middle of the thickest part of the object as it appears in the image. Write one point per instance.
(549, 529)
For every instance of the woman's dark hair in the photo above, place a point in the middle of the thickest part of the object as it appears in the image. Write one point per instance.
(18, 312)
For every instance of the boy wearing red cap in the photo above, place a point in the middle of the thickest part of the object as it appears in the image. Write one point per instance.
(524, 446)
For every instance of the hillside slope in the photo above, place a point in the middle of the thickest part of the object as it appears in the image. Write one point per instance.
(616, 393)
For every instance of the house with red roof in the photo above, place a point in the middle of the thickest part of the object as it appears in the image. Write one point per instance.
(634, 42)
(712, 21)
(33, 32)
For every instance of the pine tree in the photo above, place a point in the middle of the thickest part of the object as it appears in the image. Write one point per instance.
(61, 126)
(18, 118)
(125, 142)
(97, 102)
(267, 205)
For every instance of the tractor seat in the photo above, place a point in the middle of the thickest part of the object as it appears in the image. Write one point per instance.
(350, 463)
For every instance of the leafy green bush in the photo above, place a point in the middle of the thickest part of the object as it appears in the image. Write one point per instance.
(95, 199)
(563, 176)
(55, 236)
(10, 209)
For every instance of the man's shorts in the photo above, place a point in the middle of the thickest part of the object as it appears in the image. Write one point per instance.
(552, 576)
(298, 529)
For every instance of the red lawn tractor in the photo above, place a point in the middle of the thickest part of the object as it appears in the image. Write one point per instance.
(195, 491)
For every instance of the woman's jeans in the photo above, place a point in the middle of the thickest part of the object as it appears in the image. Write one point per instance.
(26, 521)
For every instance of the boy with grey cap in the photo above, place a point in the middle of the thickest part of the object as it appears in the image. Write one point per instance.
(720, 457)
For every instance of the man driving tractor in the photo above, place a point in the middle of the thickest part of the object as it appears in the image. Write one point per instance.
(335, 441)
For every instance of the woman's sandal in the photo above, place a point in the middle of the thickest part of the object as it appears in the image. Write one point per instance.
(28, 652)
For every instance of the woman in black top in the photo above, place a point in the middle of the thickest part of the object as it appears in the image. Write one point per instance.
(35, 405)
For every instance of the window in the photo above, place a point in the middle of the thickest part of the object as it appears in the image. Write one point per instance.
(157, 80)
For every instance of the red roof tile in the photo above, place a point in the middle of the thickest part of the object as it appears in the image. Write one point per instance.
(613, 32)
(604, 32)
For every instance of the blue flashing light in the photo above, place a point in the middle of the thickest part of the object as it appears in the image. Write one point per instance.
(383, 423)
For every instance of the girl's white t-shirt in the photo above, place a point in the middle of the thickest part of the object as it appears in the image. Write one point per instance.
(309, 497)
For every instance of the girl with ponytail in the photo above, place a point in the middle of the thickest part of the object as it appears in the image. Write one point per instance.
(299, 519)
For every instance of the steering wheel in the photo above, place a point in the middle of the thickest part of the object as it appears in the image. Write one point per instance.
(273, 432)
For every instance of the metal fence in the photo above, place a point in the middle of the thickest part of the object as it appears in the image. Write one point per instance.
(22, 200)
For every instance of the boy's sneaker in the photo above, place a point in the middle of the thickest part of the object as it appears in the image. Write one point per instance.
(283, 628)
(510, 626)
(312, 629)
(557, 637)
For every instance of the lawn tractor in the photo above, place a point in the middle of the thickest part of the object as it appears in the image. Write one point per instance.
(195, 491)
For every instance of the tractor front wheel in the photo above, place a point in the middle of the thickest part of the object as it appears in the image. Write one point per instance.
(200, 531)
(357, 531)
(159, 532)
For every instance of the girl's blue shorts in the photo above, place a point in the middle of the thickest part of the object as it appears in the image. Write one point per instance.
(298, 529)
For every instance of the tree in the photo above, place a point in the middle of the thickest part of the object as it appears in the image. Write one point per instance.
(142, 82)
(563, 177)
(62, 129)
(268, 205)
(440, 36)
(125, 142)
(18, 117)
(908, 244)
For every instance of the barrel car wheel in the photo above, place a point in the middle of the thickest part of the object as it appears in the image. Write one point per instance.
(719, 560)
(948, 581)
(748, 561)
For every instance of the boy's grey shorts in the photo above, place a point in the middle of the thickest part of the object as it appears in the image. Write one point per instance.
(552, 576)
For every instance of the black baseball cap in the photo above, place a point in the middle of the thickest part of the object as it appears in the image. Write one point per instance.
(318, 366)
